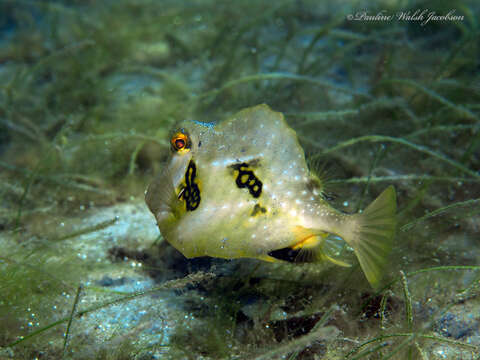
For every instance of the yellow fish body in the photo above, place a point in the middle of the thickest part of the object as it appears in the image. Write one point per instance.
(242, 188)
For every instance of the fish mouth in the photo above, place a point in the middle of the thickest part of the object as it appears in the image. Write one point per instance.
(164, 195)
(157, 199)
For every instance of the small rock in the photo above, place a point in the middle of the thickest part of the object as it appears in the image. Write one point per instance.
(451, 326)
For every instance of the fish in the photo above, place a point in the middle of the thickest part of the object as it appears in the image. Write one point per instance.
(241, 188)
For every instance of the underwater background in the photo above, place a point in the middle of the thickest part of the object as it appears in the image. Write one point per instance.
(379, 93)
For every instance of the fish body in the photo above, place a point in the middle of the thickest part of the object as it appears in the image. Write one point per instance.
(242, 188)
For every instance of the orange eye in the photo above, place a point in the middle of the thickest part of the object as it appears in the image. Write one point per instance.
(180, 142)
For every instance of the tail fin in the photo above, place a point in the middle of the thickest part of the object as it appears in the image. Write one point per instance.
(373, 235)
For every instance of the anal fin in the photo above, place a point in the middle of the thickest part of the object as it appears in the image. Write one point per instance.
(269, 258)
(310, 247)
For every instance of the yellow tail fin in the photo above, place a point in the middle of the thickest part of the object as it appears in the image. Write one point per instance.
(373, 234)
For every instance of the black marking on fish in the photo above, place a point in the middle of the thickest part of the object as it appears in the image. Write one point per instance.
(247, 179)
(258, 209)
(180, 193)
(285, 254)
(191, 192)
(314, 184)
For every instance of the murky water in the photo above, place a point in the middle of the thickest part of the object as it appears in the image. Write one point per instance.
(379, 93)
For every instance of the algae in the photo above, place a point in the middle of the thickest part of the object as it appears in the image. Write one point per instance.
(88, 93)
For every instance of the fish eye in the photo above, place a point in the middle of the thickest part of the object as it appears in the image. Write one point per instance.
(180, 142)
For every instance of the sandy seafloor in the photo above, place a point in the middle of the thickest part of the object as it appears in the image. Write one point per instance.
(88, 93)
